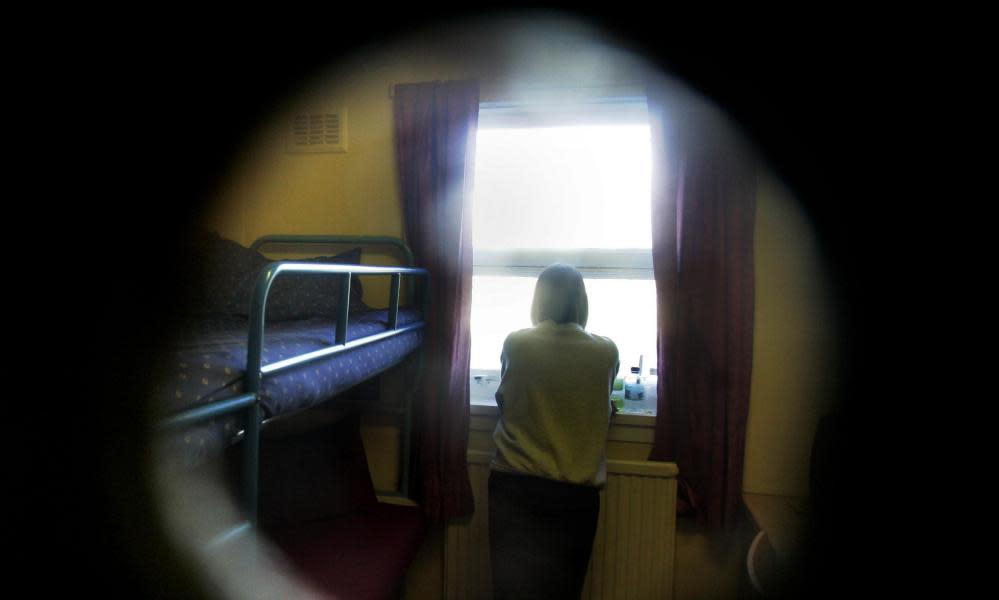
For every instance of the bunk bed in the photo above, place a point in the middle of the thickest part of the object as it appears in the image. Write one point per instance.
(262, 340)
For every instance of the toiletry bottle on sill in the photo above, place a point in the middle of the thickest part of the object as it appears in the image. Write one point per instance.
(633, 388)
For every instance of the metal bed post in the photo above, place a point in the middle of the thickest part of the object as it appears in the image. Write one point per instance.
(394, 301)
(408, 400)
(253, 385)
(343, 310)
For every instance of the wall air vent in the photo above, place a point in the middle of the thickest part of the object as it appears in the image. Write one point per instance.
(318, 131)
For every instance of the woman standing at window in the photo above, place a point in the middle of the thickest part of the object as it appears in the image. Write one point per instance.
(550, 461)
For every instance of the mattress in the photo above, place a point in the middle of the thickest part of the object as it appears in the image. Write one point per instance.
(206, 362)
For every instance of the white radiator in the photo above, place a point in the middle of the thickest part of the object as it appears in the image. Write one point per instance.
(632, 552)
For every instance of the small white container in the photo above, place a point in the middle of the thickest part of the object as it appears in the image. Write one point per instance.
(634, 390)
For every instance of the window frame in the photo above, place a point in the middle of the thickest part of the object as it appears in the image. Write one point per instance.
(593, 263)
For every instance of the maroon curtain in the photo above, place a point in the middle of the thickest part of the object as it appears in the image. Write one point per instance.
(435, 125)
(704, 209)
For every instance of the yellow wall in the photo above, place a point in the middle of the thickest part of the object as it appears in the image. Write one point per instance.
(793, 346)
(271, 191)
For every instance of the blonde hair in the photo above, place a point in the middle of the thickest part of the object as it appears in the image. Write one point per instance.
(560, 296)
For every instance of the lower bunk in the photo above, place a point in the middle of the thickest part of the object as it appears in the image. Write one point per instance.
(319, 508)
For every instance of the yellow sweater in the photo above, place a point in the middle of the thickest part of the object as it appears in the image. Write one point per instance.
(554, 401)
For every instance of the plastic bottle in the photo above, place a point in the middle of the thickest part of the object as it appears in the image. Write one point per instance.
(633, 388)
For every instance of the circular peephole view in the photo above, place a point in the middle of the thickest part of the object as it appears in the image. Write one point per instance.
(497, 308)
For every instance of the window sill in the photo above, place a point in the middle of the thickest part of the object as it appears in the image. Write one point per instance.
(479, 408)
(485, 408)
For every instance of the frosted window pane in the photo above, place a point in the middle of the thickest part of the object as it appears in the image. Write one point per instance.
(563, 187)
(621, 309)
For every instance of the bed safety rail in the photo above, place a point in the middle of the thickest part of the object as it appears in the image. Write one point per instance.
(249, 401)
(304, 240)
(255, 371)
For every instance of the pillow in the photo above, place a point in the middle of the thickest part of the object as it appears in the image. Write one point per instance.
(304, 295)
(218, 275)
(218, 278)
(316, 475)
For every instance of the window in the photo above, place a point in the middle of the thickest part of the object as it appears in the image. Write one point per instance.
(563, 183)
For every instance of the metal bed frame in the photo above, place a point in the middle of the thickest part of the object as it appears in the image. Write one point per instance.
(249, 401)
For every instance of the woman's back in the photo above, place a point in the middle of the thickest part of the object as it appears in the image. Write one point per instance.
(554, 399)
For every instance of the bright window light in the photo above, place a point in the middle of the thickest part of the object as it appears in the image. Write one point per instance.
(620, 309)
(579, 194)
(563, 187)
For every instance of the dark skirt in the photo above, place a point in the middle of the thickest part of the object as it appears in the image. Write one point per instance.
(540, 536)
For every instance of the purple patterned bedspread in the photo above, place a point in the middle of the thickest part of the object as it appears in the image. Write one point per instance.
(207, 362)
